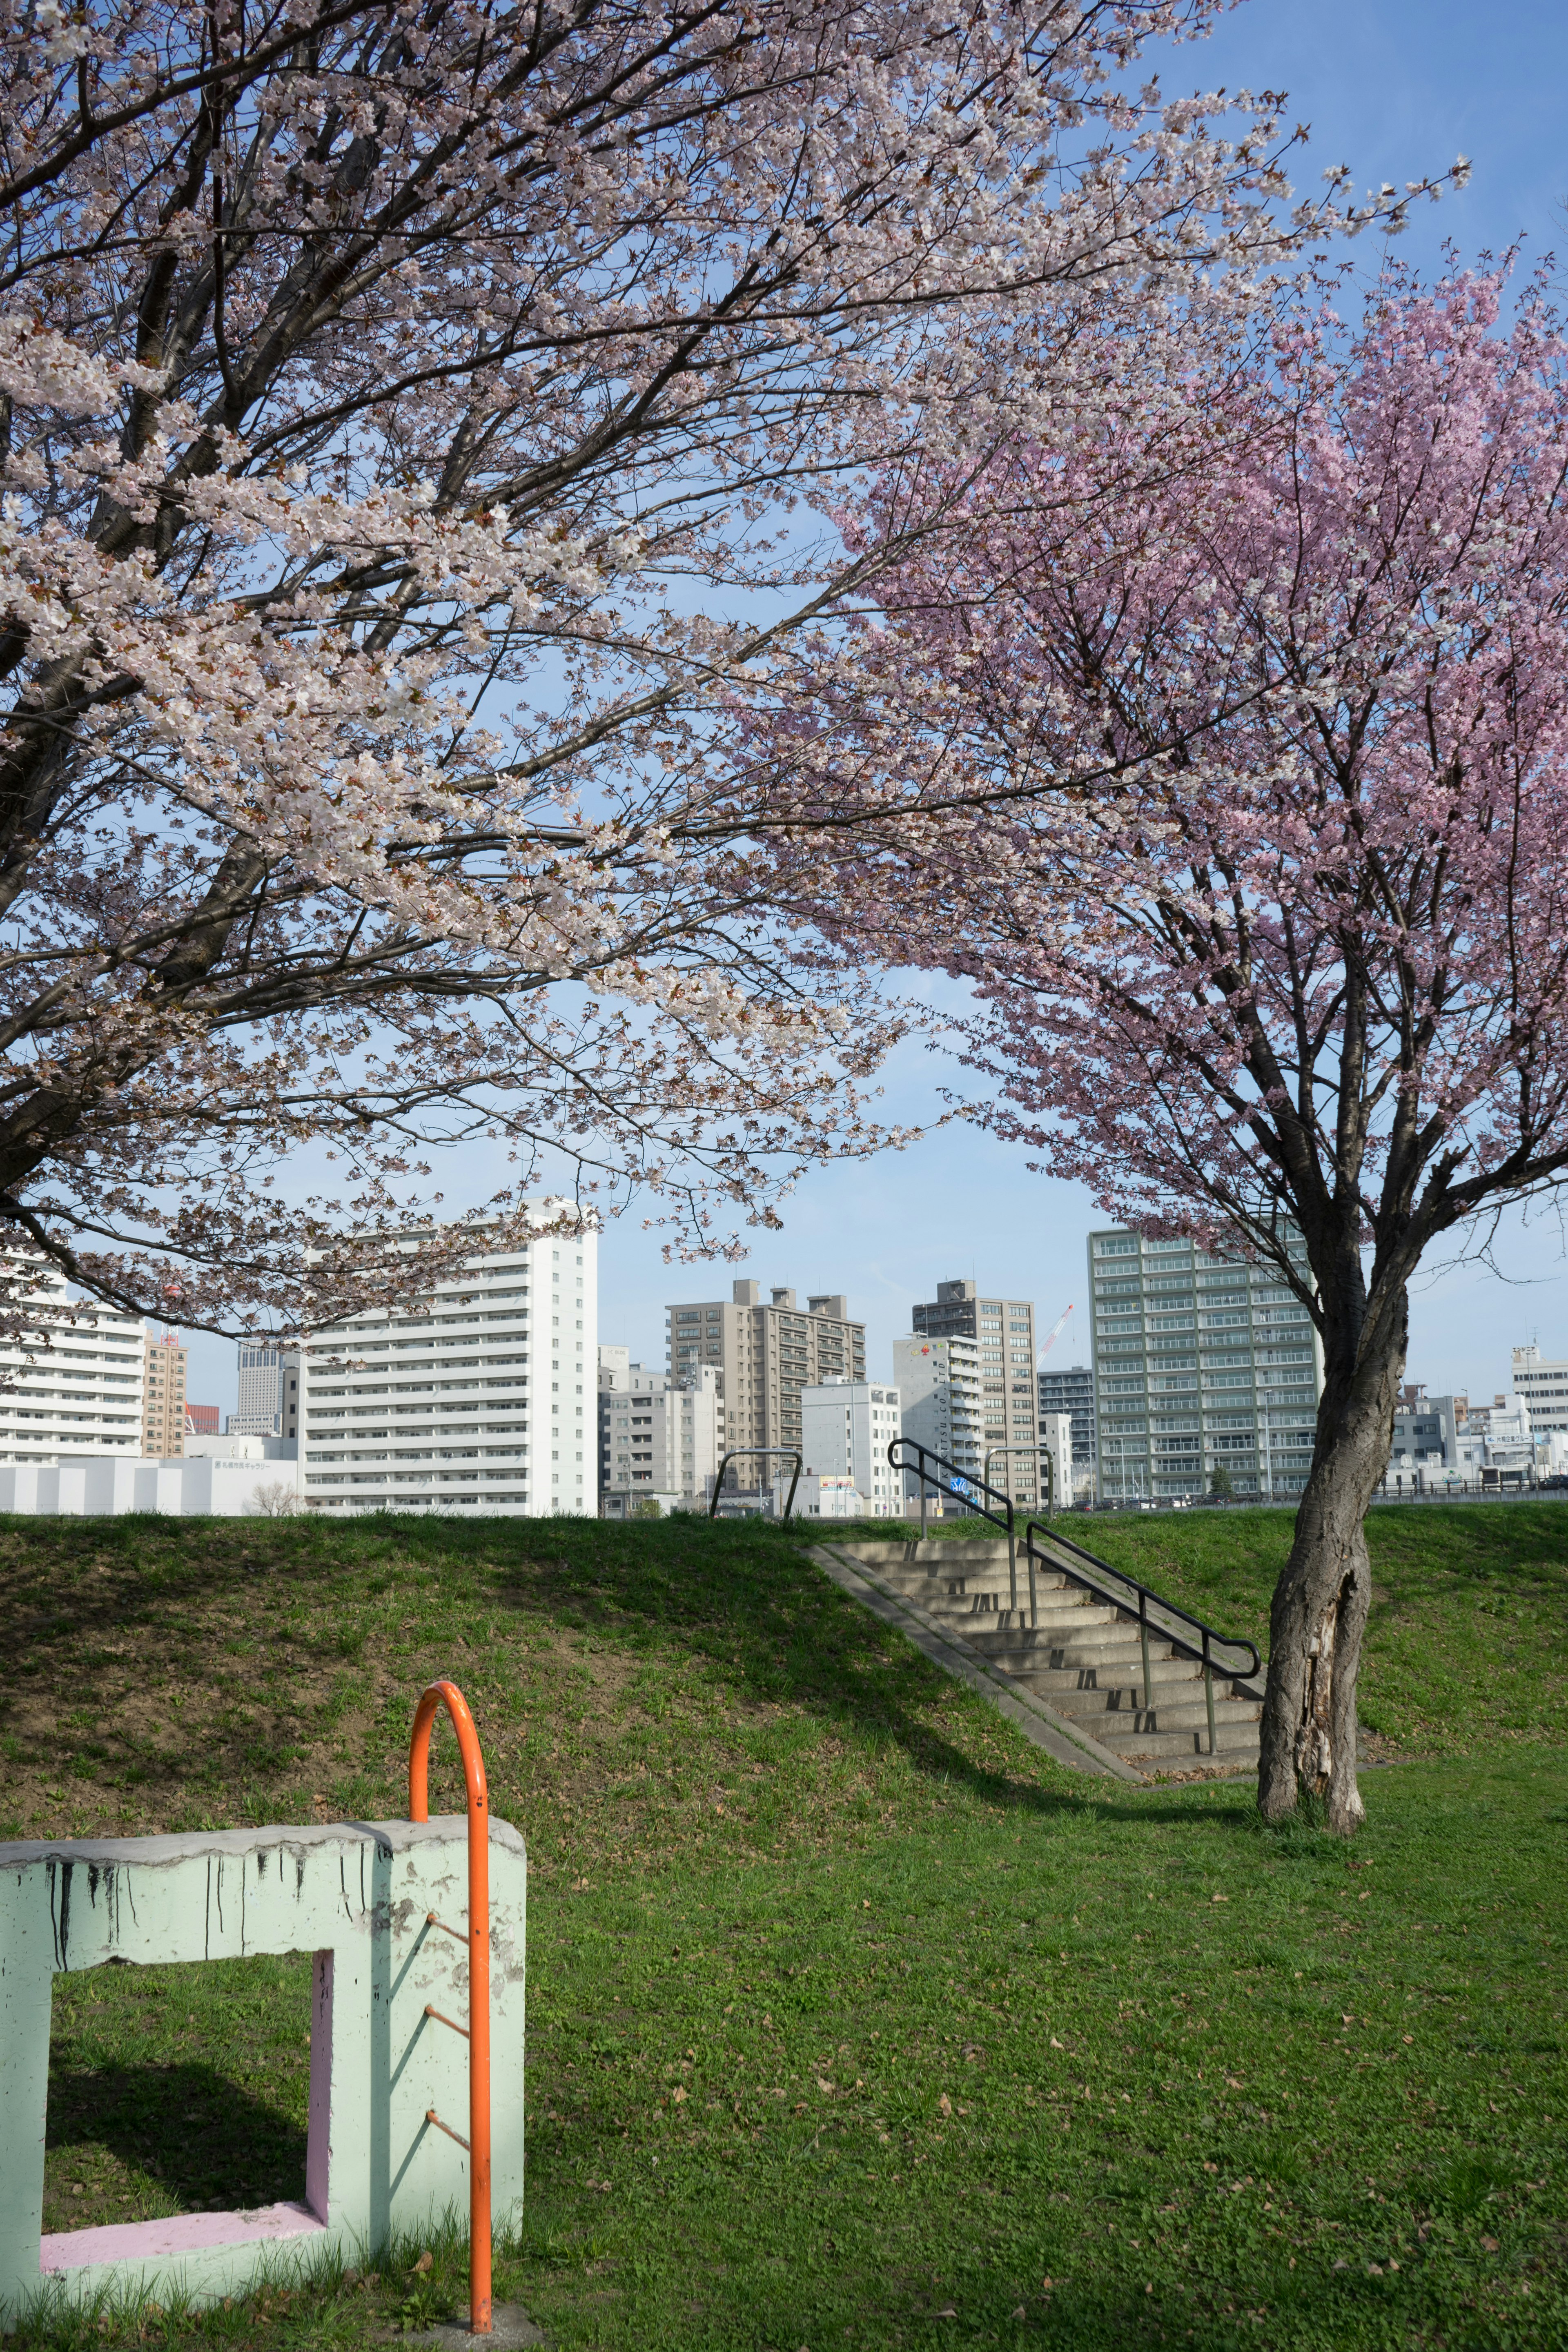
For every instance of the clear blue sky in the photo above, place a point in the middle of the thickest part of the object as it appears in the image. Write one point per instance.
(1396, 89)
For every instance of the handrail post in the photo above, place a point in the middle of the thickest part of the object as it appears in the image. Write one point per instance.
(1208, 1687)
(1033, 1602)
(1143, 1644)
(925, 1498)
(446, 1694)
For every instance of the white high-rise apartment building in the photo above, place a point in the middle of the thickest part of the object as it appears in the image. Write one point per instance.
(1543, 1385)
(478, 1396)
(846, 1429)
(659, 1436)
(1201, 1365)
(71, 1386)
(269, 1391)
(941, 1401)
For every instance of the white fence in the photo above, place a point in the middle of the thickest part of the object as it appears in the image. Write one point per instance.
(101, 1487)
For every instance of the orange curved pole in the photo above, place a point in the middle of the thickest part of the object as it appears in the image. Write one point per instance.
(448, 1694)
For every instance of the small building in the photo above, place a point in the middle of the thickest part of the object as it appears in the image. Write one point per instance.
(846, 1427)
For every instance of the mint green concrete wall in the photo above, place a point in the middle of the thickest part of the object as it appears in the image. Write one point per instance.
(356, 1895)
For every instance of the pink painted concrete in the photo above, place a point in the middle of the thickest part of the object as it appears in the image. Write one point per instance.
(180, 2234)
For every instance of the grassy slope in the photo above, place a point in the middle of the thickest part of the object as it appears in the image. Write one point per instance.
(949, 2022)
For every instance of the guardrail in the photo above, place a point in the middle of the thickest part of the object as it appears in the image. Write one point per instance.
(756, 1453)
(1100, 1578)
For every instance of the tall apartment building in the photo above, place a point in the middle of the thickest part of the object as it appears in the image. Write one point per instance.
(1543, 1385)
(1070, 1389)
(941, 1402)
(846, 1427)
(1200, 1364)
(269, 1391)
(660, 1435)
(71, 1383)
(164, 1397)
(477, 1396)
(1003, 1330)
(766, 1351)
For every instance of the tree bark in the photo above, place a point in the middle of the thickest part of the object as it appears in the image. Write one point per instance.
(1324, 1593)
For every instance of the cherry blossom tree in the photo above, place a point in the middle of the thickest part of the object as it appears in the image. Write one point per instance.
(419, 422)
(1242, 802)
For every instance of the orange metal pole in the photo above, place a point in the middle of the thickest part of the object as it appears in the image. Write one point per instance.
(448, 1694)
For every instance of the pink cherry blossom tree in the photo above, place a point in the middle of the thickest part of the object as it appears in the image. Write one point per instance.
(417, 424)
(1241, 799)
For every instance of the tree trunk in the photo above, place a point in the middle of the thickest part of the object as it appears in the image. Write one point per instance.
(1324, 1594)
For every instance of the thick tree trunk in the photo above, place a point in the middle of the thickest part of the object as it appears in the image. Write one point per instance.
(1323, 1596)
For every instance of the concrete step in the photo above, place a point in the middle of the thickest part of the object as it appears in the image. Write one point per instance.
(1237, 1743)
(1166, 1714)
(1059, 1610)
(1168, 1678)
(918, 1580)
(975, 1554)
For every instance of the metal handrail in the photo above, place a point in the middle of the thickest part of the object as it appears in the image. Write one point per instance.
(477, 2032)
(1045, 1455)
(756, 1452)
(960, 1485)
(1091, 1576)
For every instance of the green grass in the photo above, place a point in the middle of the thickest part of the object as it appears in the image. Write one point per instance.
(846, 2005)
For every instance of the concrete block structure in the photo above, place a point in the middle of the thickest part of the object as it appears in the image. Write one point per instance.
(357, 1895)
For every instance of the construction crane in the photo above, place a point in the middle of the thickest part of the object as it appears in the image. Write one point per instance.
(1056, 1332)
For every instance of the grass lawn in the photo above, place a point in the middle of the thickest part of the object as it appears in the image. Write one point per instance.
(854, 2019)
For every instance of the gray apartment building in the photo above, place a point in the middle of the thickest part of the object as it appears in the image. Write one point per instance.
(1200, 1364)
(1003, 1330)
(767, 1350)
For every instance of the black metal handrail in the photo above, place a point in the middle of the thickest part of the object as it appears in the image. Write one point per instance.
(756, 1453)
(1100, 1578)
(961, 1485)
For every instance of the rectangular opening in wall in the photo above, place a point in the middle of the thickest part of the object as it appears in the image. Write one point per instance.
(176, 2090)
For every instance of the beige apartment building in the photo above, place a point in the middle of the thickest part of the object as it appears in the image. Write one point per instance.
(766, 1351)
(163, 1398)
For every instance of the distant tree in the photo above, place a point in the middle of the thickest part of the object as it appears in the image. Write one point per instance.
(1273, 932)
(404, 411)
(1222, 1486)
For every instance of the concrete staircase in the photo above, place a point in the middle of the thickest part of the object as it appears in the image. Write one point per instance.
(1082, 1656)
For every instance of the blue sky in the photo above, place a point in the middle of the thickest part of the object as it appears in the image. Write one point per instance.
(1396, 90)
